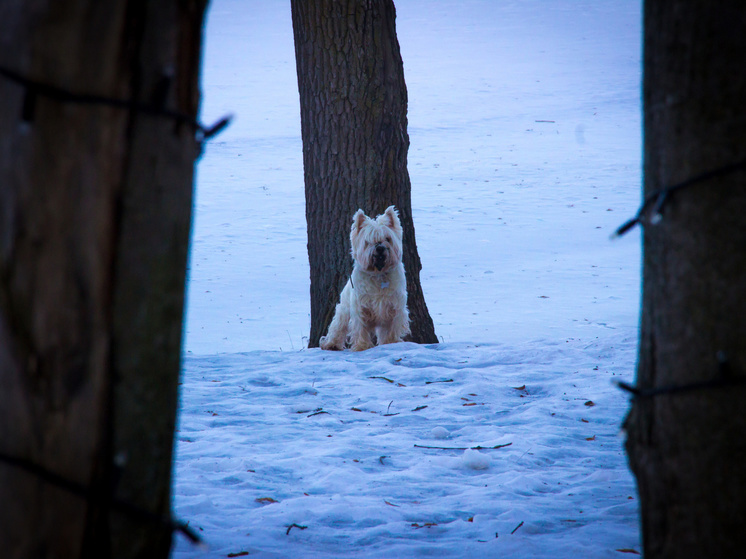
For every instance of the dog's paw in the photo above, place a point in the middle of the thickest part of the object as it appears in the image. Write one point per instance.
(361, 346)
(325, 343)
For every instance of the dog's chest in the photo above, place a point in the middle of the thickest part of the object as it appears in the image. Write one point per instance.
(375, 290)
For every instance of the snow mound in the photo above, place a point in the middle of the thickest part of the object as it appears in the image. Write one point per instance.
(475, 460)
(440, 433)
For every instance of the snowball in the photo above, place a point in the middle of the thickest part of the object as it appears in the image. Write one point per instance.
(475, 460)
(440, 433)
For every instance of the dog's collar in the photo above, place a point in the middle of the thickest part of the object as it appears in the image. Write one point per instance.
(384, 282)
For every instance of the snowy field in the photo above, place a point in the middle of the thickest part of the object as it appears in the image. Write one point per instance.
(524, 118)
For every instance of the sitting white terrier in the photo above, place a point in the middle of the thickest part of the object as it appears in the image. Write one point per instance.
(374, 301)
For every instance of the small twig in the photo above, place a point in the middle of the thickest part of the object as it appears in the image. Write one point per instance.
(266, 500)
(318, 412)
(294, 525)
(384, 378)
(435, 381)
(524, 454)
(516, 528)
(425, 525)
(380, 459)
(291, 340)
(463, 447)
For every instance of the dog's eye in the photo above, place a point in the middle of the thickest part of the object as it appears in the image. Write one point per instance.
(388, 239)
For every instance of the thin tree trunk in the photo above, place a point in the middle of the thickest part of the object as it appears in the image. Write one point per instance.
(688, 449)
(355, 143)
(95, 207)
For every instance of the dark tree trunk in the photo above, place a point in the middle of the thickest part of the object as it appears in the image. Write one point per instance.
(355, 143)
(95, 208)
(688, 449)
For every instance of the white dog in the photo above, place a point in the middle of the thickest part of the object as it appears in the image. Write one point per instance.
(374, 301)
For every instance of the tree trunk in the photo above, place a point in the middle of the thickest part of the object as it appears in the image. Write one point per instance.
(355, 143)
(95, 208)
(688, 449)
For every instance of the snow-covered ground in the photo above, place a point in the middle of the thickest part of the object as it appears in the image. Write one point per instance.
(525, 155)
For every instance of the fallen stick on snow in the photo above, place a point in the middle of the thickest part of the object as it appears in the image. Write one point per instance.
(464, 447)
(295, 526)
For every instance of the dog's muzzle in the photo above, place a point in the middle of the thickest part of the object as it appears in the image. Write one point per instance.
(379, 257)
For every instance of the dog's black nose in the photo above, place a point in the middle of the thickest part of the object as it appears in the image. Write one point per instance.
(379, 257)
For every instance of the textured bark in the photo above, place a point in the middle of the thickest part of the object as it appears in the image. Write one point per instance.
(95, 208)
(688, 450)
(355, 143)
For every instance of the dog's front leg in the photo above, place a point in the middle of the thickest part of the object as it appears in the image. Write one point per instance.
(360, 334)
(395, 325)
(336, 337)
(387, 335)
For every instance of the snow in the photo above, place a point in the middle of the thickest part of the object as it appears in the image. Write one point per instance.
(524, 118)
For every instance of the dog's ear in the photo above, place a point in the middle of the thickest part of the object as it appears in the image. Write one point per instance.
(390, 218)
(357, 222)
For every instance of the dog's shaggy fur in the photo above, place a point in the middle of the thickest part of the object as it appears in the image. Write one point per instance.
(373, 304)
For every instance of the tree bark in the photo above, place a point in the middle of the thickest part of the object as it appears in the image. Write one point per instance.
(688, 449)
(355, 143)
(95, 209)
